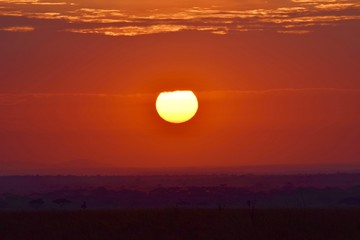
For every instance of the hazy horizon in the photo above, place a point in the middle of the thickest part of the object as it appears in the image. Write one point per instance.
(274, 169)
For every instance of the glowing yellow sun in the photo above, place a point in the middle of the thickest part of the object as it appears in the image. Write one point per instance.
(177, 106)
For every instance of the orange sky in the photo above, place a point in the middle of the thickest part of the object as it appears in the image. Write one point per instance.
(278, 83)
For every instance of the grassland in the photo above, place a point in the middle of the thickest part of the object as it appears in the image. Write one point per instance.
(184, 224)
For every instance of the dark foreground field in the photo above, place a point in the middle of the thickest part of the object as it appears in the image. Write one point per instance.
(184, 224)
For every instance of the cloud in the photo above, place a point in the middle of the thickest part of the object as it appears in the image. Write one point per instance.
(302, 15)
(12, 13)
(97, 15)
(314, 19)
(287, 91)
(13, 99)
(144, 30)
(337, 6)
(18, 29)
(34, 2)
(294, 31)
(313, 2)
(9, 99)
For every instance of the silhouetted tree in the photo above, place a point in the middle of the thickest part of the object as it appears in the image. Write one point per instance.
(251, 206)
(36, 203)
(61, 202)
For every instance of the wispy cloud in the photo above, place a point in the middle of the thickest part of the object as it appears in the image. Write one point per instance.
(9, 99)
(143, 30)
(316, 1)
(18, 29)
(34, 2)
(301, 15)
(288, 91)
(294, 31)
(314, 19)
(13, 98)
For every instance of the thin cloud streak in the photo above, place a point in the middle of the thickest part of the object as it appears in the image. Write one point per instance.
(337, 6)
(34, 2)
(286, 90)
(8, 99)
(13, 98)
(18, 29)
(294, 31)
(135, 31)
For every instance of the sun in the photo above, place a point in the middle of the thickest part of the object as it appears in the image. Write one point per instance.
(177, 106)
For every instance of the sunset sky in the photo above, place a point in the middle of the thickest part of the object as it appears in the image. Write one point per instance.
(278, 82)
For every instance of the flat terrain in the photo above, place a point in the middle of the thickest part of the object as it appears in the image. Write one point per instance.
(183, 224)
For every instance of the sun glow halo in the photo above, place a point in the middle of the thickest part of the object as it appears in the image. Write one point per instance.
(177, 106)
